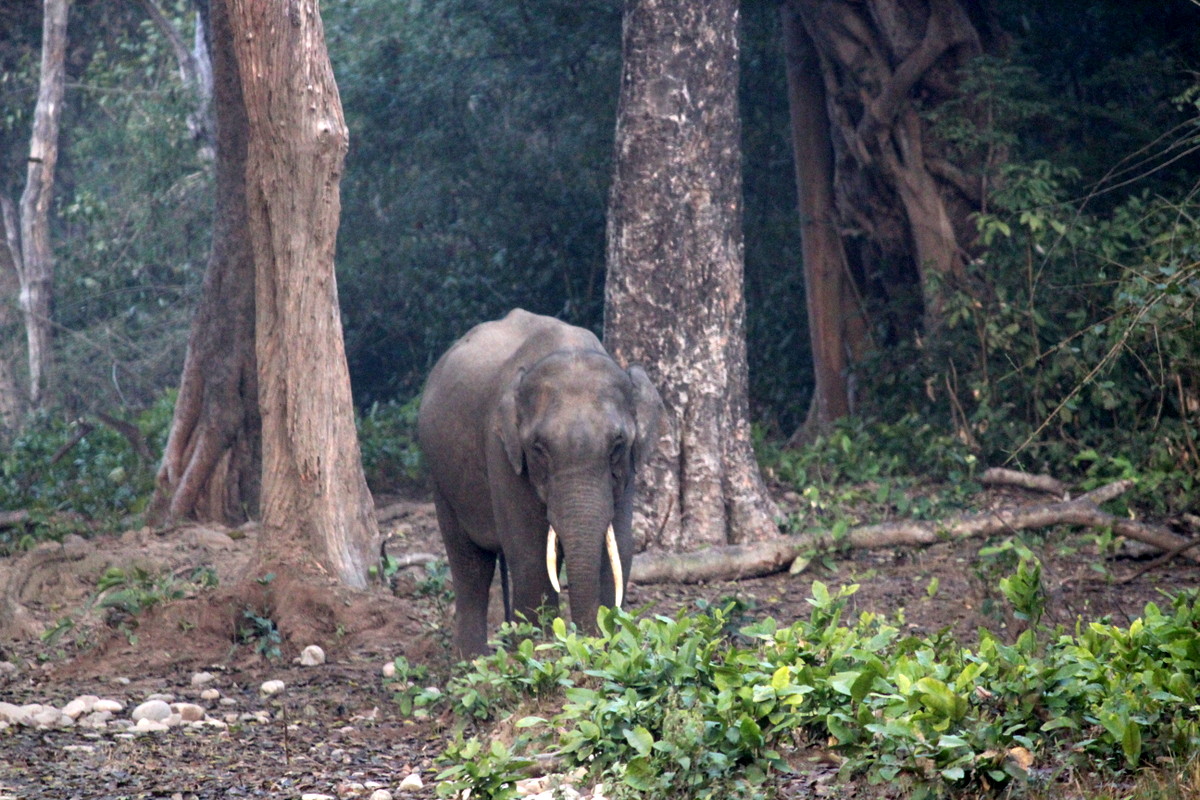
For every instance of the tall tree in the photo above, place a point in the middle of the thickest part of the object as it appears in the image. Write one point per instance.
(315, 500)
(900, 206)
(212, 463)
(32, 255)
(674, 300)
(835, 318)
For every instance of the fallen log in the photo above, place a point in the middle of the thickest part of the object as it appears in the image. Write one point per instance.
(765, 558)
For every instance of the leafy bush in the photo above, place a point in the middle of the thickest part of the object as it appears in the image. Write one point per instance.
(663, 708)
(57, 467)
(387, 436)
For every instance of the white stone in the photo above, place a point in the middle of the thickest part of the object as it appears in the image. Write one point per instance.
(155, 710)
(188, 712)
(13, 714)
(8, 668)
(210, 694)
(411, 783)
(312, 656)
(227, 701)
(79, 748)
(166, 697)
(389, 669)
(202, 678)
(84, 704)
(50, 717)
(315, 796)
(147, 725)
(271, 687)
(96, 719)
(112, 706)
(381, 794)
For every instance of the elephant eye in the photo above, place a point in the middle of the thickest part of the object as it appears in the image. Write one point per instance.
(617, 455)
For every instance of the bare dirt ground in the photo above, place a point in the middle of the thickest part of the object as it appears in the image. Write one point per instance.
(335, 729)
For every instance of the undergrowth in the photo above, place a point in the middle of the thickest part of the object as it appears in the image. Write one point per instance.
(682, 707)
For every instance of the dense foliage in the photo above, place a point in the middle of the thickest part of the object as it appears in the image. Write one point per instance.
(480, 159)
(701, 706)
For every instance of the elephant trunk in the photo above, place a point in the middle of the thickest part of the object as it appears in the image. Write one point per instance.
(581, 520)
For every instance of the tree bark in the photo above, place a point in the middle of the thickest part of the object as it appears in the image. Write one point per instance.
(837, 330)
(212, 463)
(36, 265)
(315, 500)
(882, 62)
(12, 394)
(674, 300)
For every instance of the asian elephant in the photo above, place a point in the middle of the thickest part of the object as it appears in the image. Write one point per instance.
(532, 434)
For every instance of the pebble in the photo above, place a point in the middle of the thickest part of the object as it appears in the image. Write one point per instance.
(85, 704)
(312, 656)
(147, 725)
(203, 678)
(381, 794)
(188, 712)
(210, 694)
(271, 687)
(389, 669)
(153, 710)
(411, 783)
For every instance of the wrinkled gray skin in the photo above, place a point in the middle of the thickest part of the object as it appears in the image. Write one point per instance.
(526, 422)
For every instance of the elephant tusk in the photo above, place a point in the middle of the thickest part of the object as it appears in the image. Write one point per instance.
(552, 558)
(614, 557)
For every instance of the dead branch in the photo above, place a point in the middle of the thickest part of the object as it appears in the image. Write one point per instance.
(732, 563)
(132, 434)
(998, 476)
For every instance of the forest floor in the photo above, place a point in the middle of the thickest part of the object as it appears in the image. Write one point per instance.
(334, 729)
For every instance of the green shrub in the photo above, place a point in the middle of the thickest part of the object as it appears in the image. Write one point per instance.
(73, 474)
(664, 708)
(387, 436)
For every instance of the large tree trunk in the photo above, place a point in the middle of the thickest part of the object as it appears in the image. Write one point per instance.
(212, 463)
(315, 500)
(36, 265)
(909, 207)
(674, 299)
(837, 329)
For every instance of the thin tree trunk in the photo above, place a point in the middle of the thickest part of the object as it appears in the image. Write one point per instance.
(212, 464)
(12, 395)
(36, 266)
(195, 71)
(315, 499)
(674, 300)
(837, 331)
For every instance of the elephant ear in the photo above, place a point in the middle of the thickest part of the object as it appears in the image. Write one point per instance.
(509, 425)
(649, 411)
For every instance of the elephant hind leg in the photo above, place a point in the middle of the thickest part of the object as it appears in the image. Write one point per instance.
(471, 569)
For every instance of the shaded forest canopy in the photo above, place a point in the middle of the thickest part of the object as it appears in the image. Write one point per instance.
(480, 160)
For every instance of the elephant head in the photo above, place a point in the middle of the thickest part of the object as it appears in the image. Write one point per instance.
(576, 426)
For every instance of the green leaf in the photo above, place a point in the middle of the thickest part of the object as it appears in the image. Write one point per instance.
(639, 739)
